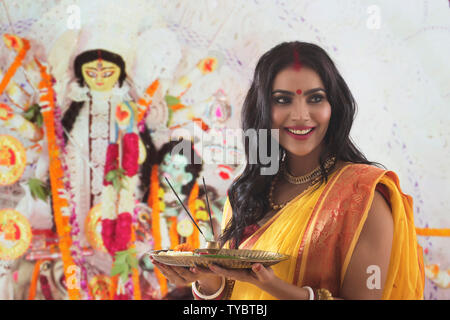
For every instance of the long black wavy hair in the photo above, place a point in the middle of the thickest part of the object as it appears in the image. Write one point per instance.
(248, 194)
(74, 109)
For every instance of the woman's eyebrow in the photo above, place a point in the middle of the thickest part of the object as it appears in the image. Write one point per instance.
(292, 93)
(314, 90)
(283, 92)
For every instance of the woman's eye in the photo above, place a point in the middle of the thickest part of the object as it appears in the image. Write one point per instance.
(316, 98)
(108, 74)
(282, 100)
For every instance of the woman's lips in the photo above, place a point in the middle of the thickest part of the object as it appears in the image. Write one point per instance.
(297, 135)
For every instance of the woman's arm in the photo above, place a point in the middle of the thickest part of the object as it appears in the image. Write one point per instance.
(368, 267)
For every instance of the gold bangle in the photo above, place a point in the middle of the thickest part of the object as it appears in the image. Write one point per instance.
(324, 294)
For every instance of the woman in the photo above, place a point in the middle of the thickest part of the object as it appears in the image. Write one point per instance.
(345, 224)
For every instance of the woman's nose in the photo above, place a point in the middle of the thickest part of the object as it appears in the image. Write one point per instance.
(299, 110)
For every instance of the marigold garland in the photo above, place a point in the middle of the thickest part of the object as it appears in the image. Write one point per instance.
(153, 202)
(193, 240)
(60, 204)
(173, 233)
(114, 281)
(34, 279)
(15, 65)
(433, 232)
(145, 104)
(135, 271)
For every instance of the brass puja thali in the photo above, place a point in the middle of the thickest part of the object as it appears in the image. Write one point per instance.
(227, 258)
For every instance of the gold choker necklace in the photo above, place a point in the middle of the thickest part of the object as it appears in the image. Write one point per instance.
(292, 179)
(309, 176)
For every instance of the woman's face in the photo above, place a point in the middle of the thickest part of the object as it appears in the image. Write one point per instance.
(100, 75)
(300, 110)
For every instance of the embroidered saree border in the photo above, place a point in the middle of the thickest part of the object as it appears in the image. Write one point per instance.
(304, 245)
(334, 227)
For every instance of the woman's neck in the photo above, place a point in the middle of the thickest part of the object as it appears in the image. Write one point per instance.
(301, 165)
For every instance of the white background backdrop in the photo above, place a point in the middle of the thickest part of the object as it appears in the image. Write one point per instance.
(393, 55)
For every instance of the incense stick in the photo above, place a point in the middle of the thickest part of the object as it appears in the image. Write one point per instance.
(185, 209)
(209, 209)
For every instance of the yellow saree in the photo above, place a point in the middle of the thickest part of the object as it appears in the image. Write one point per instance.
(319, 230)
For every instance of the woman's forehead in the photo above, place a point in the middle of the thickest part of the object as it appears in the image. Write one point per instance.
(294, 77)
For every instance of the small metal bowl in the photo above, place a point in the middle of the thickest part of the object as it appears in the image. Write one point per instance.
(212, 247)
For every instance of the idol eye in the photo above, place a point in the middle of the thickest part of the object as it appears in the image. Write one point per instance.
(91, 74)
(108, 74)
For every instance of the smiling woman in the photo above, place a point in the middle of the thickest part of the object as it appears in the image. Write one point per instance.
(333, 212)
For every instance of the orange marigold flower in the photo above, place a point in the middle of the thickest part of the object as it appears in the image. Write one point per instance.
(183, 247)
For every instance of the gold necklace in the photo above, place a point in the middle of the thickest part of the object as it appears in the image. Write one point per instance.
(272, 204)
(275, 206)
(309, 176)
(314, 179)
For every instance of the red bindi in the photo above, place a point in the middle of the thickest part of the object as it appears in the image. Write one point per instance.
(299, 91)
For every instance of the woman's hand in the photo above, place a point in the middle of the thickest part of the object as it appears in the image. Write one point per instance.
(211, 279)
(181, 276)
(258, 275)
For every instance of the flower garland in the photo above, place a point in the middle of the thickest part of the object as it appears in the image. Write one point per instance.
(154, 203)
(173, 233)
(77, 250)
(21, 46)
(118, 202)
(34, 279)
(144, 102)
(60, 204)
(135, 271)
(193, 240)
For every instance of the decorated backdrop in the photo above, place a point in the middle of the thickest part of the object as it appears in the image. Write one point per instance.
(93, 93)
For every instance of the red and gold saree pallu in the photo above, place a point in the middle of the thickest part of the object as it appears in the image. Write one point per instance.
(319, 230)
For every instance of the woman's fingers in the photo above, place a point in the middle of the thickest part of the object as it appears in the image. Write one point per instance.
(262, 274)
(185, 274)
(257, 274)
(171, 275)
(235, 274)
(200, 271)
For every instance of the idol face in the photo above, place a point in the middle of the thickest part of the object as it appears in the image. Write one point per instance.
(173, 168)
(300, 110)
(100, 75)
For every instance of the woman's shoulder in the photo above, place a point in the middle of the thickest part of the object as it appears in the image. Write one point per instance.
(367, 177)
(360, 171)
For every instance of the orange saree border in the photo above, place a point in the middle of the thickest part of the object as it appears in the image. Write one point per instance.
(338, 216)
(304, 245)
